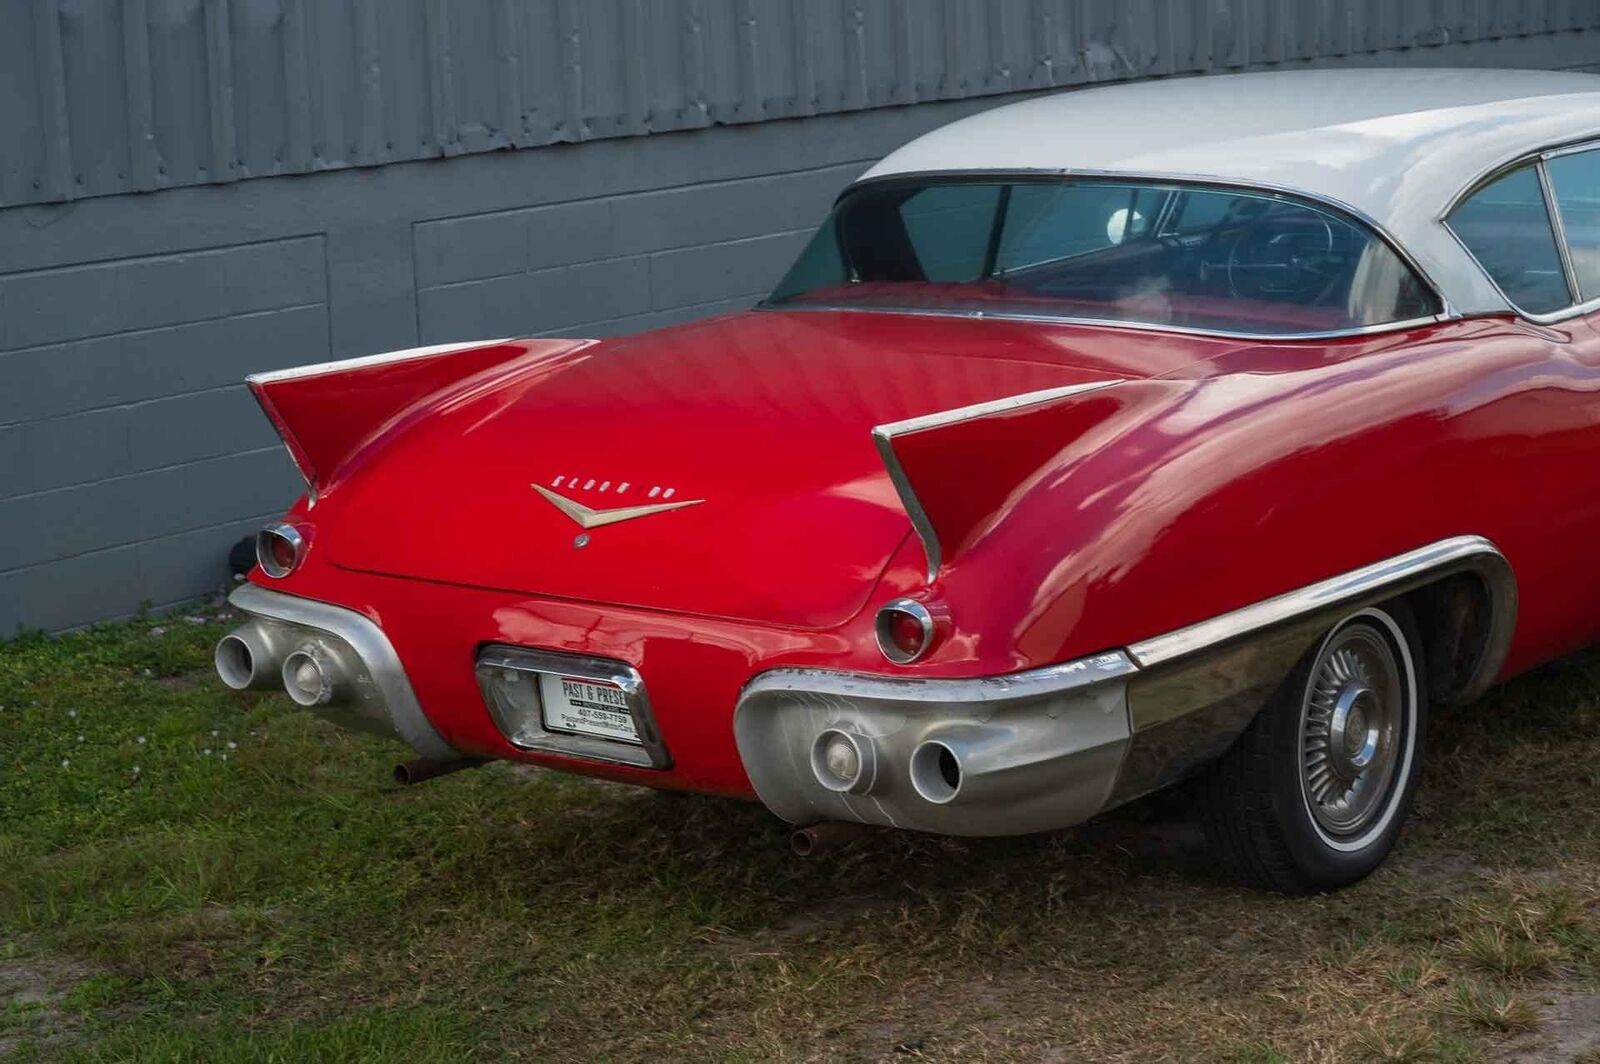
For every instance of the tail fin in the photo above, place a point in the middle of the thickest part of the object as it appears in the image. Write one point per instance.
(956, 469)
(326, 412)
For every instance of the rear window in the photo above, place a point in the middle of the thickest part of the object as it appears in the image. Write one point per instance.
(1181, 256)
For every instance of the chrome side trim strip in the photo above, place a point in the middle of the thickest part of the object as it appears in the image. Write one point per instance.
(316, 369)
(1329, 593)
(883, 437)
(370, 643)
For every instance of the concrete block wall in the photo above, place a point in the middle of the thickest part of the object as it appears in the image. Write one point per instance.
(131, 456)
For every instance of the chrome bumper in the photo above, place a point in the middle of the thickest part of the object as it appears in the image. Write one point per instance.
(1014, 754)
(1049, 748)
(366, 686)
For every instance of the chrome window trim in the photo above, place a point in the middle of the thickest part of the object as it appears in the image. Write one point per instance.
(1558, 229)
(1112, 323)
(650, 752)
(370, 644)
(1447, 310)
(883, 437)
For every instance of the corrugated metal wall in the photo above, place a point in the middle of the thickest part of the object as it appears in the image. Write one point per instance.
(99, 97)
(130, 454)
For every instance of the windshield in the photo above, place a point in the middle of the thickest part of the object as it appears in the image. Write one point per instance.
(1182, 256)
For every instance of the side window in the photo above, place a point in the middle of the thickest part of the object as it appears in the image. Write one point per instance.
(1575, 180)
(1507, 228)
(949, 228)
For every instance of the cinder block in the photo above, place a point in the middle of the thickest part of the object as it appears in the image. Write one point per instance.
(194, 563)
(170, 290)
(474, 310)
(166, 432)
(51, 525)
(451, 250)
(71, 592)
(275, 274)
(728, 210)
(61, 451)
(593, 291)
(51, 305)
(82, 375)
(716, 271)
(572, 232)
(213, 491)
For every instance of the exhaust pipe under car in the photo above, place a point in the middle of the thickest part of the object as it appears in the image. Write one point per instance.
(422, 769)
(814, 839)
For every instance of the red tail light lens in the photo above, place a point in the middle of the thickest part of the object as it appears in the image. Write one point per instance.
(279, 550)
(905, 631)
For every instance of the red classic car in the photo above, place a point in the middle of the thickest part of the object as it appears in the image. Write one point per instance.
(1200, 429)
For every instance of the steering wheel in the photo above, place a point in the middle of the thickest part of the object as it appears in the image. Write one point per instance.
(1278, 258)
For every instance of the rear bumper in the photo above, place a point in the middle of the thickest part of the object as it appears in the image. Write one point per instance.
(1007, 755)
(368, 689)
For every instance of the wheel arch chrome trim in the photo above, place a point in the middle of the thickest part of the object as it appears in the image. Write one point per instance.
(370, 643)
(1389, 577)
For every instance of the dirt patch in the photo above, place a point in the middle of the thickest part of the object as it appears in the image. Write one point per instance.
(31, 993)
(1568, 1031)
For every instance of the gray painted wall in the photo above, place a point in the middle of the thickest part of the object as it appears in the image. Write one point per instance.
(131, 456)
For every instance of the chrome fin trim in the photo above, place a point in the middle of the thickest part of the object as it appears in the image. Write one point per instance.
(374, 649)
(317, 369)
(883, 437)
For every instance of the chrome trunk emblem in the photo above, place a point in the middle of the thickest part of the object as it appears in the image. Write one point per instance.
(587, 517)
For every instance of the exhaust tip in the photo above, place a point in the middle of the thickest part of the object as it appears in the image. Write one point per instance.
(936, 772)
(307, 680)
(236, 664)
(817, 838)
(421, 769)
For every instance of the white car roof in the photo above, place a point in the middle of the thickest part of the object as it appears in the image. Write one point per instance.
(1396, 147)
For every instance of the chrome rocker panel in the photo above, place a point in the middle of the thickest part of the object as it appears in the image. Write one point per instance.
(383, 701)
(1052, 747)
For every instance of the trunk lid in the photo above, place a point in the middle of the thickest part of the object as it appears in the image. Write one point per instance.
(751, 434)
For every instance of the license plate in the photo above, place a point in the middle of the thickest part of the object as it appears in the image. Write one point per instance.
(587, 707)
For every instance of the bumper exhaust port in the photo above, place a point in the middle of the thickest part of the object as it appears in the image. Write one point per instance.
(844, 761)
(248, 658)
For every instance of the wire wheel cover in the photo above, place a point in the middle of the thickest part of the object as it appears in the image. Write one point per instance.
(1352, 729)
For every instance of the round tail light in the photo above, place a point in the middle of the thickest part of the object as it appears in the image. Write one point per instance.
(905, 630)
(279, 550)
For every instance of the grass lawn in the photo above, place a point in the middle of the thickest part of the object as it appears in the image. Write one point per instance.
(187, 873)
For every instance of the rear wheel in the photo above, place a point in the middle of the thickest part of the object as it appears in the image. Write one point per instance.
(1313, 794)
